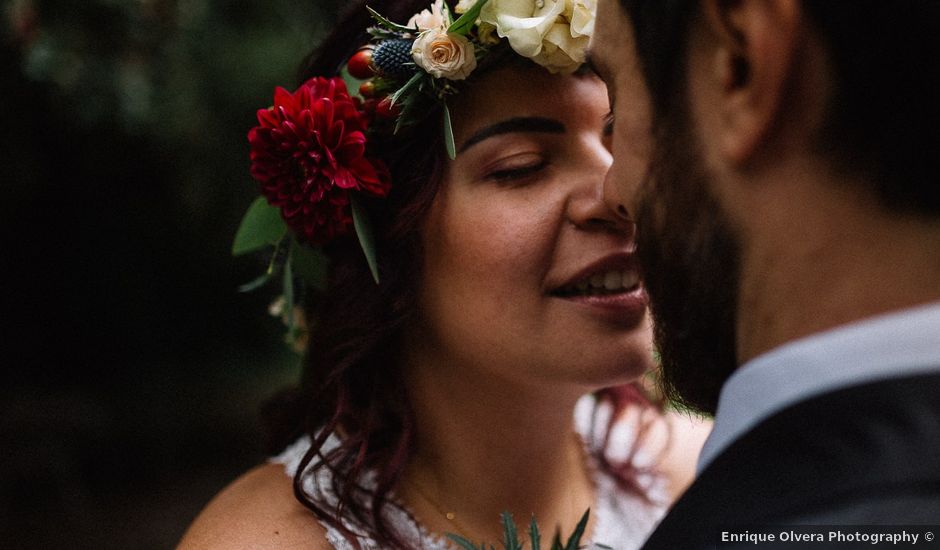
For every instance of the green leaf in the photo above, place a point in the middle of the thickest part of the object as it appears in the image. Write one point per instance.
(575, 541)
(449, 135)
(464, 543)
(352, 83)
(310, 264)
(465, 22)
(448, 17)
(534, 536)
(366, 236)
(412, 82)
(510, 533)
(256, 283)
(262, 226)
(388, 24)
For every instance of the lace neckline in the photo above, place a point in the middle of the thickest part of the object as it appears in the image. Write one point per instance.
(623, 519)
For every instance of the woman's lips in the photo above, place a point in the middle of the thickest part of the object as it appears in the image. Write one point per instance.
(625, 308)
(609, 287)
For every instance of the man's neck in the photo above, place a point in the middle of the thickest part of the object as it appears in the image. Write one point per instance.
(840, 260)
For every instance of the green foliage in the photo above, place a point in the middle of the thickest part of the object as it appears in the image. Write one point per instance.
(449, 135)
(310, 264)
(412, 83)
(366, 236)
(511, 536)
(464, 24)
(389, 25)
(289, 294)
(262, 226)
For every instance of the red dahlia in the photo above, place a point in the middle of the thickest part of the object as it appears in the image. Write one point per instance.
(308, 153)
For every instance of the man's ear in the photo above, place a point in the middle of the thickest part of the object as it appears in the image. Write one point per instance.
(754, 44)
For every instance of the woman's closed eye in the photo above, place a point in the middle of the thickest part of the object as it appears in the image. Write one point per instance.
(515, 170)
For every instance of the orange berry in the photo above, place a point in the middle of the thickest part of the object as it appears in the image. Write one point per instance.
(367, 89)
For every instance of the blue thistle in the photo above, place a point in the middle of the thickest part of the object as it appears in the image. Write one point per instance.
(393, 58)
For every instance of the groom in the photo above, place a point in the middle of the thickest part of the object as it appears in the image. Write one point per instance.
(780, 159)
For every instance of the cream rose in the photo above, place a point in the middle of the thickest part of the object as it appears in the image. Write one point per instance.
(553, 33)
(443, 54)
(464, 6)
(428, 19)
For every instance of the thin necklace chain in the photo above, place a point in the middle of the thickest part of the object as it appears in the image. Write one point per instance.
(451, 516)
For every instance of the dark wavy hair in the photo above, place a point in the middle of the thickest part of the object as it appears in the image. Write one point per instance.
(351, 382)
(883, 118)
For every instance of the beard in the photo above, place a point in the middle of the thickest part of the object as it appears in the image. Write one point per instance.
(690, 257)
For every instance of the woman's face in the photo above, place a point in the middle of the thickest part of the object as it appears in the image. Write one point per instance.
(527, 274)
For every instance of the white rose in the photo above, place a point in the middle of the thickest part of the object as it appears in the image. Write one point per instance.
(582, 17)
(464, 6)
(444, 55)
(553, 33)
(429, 19)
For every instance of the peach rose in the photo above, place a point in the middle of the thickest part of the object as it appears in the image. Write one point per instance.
(443, 54)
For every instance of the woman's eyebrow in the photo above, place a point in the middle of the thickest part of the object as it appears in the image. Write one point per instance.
(517, 124)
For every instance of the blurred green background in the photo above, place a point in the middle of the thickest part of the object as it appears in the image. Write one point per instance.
(133, 369)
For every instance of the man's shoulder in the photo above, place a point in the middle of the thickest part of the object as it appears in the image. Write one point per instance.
(858, 452)
(258, 510)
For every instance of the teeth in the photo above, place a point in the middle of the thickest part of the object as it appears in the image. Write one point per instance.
(630, 279)
(612, 280)
(608, 282)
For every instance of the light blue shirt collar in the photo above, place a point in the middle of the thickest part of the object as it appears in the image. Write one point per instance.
(897, 344)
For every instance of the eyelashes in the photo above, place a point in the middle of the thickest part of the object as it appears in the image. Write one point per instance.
(609, 123)
(516, 173)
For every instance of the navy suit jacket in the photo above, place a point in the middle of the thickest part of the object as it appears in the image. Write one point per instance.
(864, 455)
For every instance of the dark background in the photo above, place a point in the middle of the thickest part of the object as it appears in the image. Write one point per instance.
(133, 369)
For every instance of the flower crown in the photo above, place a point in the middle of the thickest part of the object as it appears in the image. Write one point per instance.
(310, 151)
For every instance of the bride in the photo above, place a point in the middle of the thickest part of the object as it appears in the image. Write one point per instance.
(495, 365)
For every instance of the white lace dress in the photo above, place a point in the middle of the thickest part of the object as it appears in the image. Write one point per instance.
(623, 519)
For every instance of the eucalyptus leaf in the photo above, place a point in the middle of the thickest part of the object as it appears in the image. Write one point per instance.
(413, 108)
(366, 236)
(412, 82)
(262, 226)
(310, 264)
(449, 135)
(381, 20)
(465, 22)
(256, 283)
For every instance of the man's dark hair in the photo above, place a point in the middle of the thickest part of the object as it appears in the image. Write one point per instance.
(883, 119)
